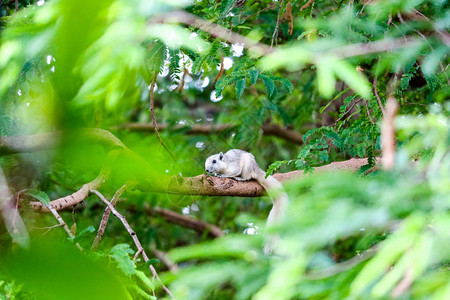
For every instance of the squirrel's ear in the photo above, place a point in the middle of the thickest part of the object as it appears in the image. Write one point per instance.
(220, 156)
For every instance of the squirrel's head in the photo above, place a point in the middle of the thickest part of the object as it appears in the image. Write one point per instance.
(214, 164)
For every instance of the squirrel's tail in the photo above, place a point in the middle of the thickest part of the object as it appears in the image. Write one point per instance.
(279, 198)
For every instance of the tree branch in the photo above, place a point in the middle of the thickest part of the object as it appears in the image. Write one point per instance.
(206, 185)
(202, 185)
(188, 222)
(275, 130)
(105, 218)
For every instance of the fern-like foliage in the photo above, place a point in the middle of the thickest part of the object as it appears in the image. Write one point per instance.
(242, 71)
(174, 64)
(156, 56)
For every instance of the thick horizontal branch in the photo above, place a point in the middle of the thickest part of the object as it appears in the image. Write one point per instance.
(206, 185)
(274, 130)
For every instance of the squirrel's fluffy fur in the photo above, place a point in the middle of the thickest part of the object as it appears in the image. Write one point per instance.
(241, 165)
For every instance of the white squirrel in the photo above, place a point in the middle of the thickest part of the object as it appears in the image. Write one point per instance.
(241, 165)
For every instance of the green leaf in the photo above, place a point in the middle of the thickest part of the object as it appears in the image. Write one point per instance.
(148, 284)
(253, 76)
(268, 83)
(39, 195)
(120, 253)
(84, 233)
(240, 87)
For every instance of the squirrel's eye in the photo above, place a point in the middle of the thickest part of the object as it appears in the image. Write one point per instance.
(214, 161)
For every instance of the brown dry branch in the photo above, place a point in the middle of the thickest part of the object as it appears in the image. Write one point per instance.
(275, 130)
(306, 5)
(105, 218)
(185, 221)
(152, 110)
(388, 134)
(134, 237)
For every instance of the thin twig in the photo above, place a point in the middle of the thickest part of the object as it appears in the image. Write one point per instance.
(270, 6)
(364, 6)
(368, 111)
(220, 72)
(348, 110)
(134, 237)
(63, 224)
(104, 221)
(375, 91)
(275, 32)
(182, 80)
(343, 266)
(162, 256)
(152, 110)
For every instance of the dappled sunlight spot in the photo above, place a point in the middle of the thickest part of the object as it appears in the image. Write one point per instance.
(164, 72)
(40, 2)
(251, 230)
(237, 49)
(227, 63)
(19, 92)
(200, 146)
(205, 82)
(186, 210)
(214, 98)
